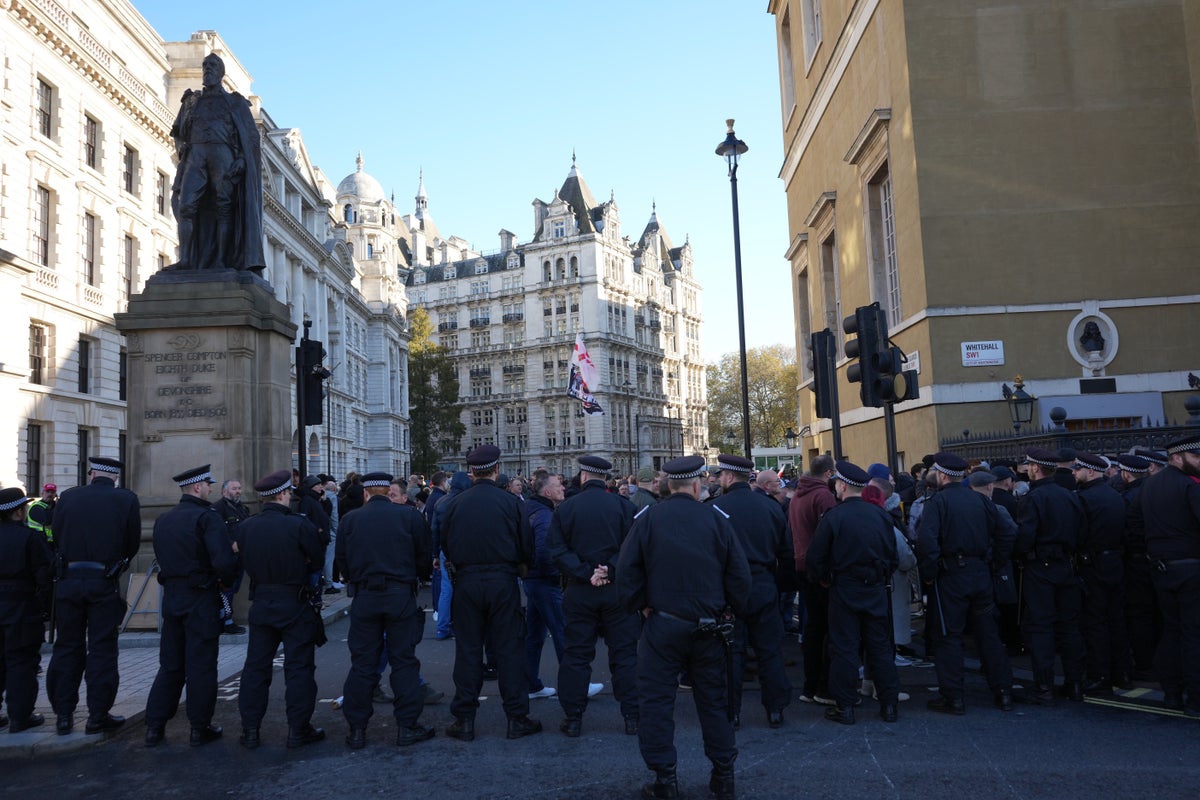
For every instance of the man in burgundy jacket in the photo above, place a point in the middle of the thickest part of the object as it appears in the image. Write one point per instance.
(812, 499)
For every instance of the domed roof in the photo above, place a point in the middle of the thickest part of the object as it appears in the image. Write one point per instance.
(361, 185)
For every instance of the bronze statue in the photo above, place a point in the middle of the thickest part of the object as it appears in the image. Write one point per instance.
(1092, 340)
(217, 194)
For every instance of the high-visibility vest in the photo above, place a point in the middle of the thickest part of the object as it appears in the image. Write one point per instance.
(37, 526)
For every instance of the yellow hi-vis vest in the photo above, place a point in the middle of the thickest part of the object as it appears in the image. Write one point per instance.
(37, 526)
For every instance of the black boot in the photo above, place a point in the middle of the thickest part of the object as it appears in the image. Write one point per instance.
(64, 724)
(298, 737)
(631, 725)
(203, 734)
(414, 734)
(102, 722)
(571, 727)
(32, 721)
(463, 729)
(720, 782)
(1073, 691)
(947, 705)
(1004, 700)
(357, 738)
(523, 726)
(842, 714)
(250, 739)
(154, 735)
(1042, 695)
(664, 786)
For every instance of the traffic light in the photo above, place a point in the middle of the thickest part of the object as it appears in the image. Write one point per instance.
(869, 326)
(895, 383)
(824, 372)
(312, 379)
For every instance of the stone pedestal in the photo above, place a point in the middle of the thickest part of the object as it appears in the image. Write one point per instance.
(209, 381)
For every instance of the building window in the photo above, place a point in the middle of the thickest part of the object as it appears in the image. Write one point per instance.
(560, 228)
(129, 170)
(38, 337)
(160, 194)
(123, 447)
(89, 248)
(83, 441)
(33, 455)
(45, 109)
(123, 375)
(85, 365)
(787, 82)
(128, 248)
(91, 142)
(885, 273)
(829, 285)
(812, 29)
(41, 226)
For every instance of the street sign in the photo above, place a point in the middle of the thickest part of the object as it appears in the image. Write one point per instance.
(983, 354)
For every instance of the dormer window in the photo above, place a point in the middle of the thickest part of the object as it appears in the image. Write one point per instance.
(481, 268)
(514, 261)
(419, 277)
(559, 228)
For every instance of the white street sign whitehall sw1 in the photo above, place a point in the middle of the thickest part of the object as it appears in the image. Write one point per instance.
(982, 354)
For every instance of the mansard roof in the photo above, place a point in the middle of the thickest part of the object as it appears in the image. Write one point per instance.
(465, 268)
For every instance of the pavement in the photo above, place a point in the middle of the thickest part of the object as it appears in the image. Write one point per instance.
(138, 664)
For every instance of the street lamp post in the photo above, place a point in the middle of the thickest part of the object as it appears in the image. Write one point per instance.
(791, 437)
(730, 150)
(1020, 403)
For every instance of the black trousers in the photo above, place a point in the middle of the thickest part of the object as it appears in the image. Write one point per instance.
(1052, 602)
(667, 648)
(376, 617)
(88, 612)
(588, 613)
(966, 593)
(858, 619)
(293, 625)
(1103, 619)
(816, 632)
(187, 655)
(1178, 659)
(21, 637)
(487, 606)
(762, 629)
(1143, 619)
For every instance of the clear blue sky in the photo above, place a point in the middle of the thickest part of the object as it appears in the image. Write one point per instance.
(491, 98)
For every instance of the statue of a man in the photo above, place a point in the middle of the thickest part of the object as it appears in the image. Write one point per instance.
(1092, 339)
(217, 195)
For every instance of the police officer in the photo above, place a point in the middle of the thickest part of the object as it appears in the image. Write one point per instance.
(487, 539)
(98, 528)
(279, 550)
(1143, 620)
(1049, 528)
(1102, 568)
(382, 552)
(854, 553)
(25, 571)
(763, 533)
(683, 568)
(585, 536)
(41, 511)
(1171, 509)
(961, 539)
(195, 558)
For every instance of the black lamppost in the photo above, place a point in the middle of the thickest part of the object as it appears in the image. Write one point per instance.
(791, 437)
(730, 149)
(1020, 403)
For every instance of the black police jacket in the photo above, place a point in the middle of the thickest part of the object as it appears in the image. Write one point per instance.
(1170, 502)
(683, 557)
(381, 542)
(25, 572)
(1135, 527)
(485, 527)
(97, 522)
(1050, 523)
(279, 548)
(1105, 513)
(854, 546)
(958, 521)
(587, 530)
(192, 546)
(761, 527)
(310, 506)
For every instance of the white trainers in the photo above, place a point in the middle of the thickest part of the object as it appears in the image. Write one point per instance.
(595, 689)
(545, 691)
(336, 585)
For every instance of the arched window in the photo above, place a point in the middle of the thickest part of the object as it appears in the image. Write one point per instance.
(546, 275)
(560, 269)
(574, 267)
(348, 213)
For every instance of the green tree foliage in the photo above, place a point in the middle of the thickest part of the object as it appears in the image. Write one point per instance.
(774, 404)
(432, 396)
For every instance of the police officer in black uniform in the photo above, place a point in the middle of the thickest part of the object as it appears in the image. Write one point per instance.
(383, 550)
(1142, 618)
(278, 551)
(195, 558)
(683, 568)
(854, 553)
(1049, 528)
(961, 540)
(585, 536)
(1171, 509)
(98, 528)
(25, 573)
(763, 532)
(1102, 569)
(487, 538)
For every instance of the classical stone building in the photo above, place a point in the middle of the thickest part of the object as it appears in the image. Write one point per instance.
(1017, 184)
(88, 95)
(509, 320)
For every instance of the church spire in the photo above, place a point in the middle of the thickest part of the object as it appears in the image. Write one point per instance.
(422, 198)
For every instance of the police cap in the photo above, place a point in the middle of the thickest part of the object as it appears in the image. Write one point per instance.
(194, 475)
(594, 464)
(109, 465)
(731, 463)
(1153, 456)
(950, 464)
(483, 458)
(851, 474)
(1091, 461)
(1041, 456)
(273, 484)
(1188, 444)
(13, 497)
(680, 469)
(376, 479)
(1131, 463)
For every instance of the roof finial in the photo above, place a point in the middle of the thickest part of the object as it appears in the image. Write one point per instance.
(572, 156)
(359, 161)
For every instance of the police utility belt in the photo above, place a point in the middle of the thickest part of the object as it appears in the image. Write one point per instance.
(1049, 554)
(93, 569)
(381, 583)
(719, 627)
(954, 561)
(1090, 558)
(1163, 565)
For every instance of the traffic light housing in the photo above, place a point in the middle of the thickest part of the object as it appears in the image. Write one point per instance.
(868, 325)
(895, 383)
(824, 372)
(312, 379)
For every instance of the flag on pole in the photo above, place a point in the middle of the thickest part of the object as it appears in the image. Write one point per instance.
(584, 378)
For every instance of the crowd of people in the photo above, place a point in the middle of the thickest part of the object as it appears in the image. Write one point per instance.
(685, 574)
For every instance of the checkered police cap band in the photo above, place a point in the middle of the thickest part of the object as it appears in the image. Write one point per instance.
(1134, 470)
(1040, 462)
(483, 467)
(731, 468)
(1184, 447)
(839, 476)
(683, 476)
(201, 478)
(282, 487)
(379, 482)
(953, 473)
(20, 501)
(109, 468)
